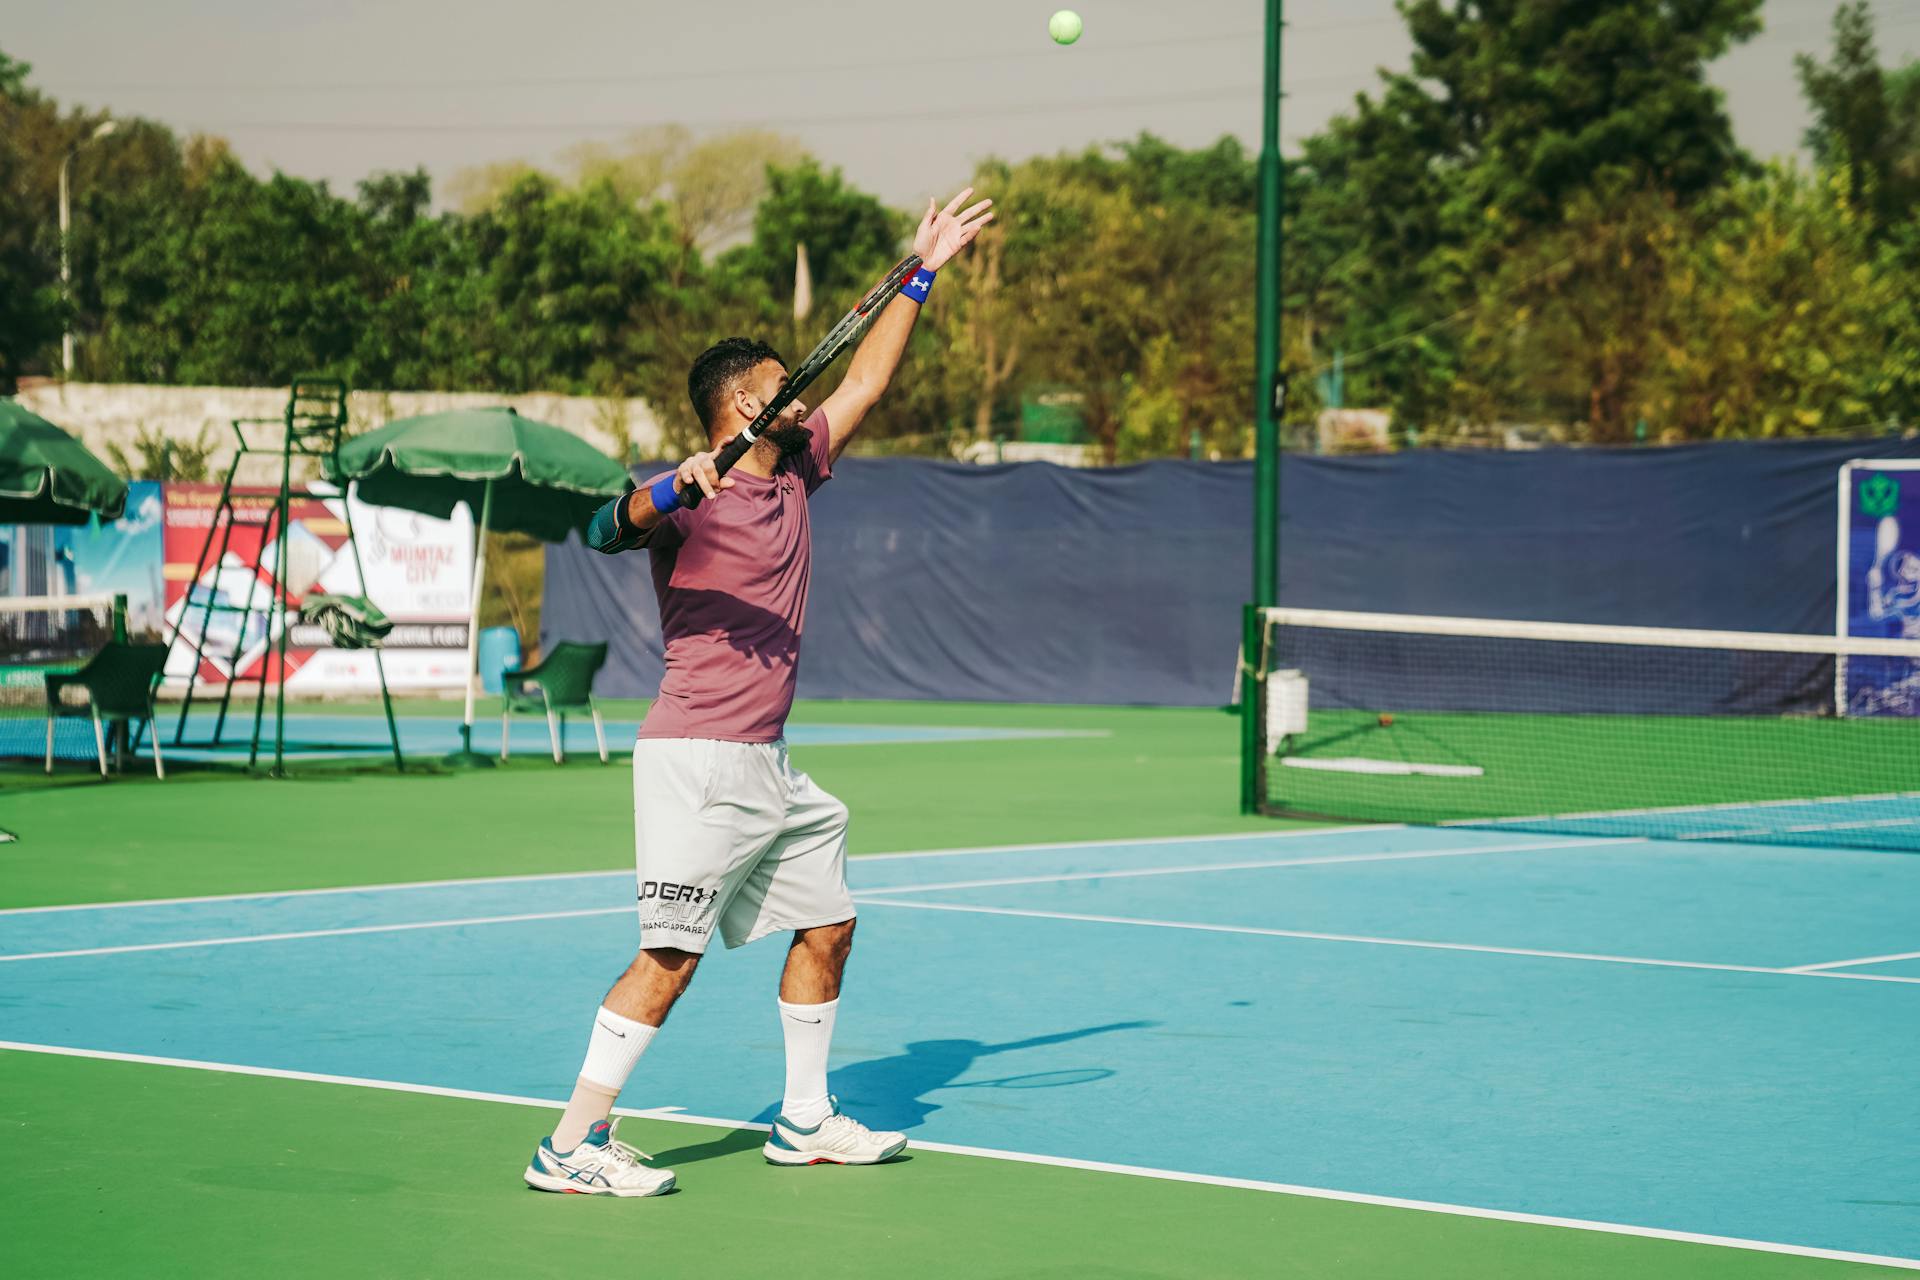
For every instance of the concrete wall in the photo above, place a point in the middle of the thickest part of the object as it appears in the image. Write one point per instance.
(111, 414)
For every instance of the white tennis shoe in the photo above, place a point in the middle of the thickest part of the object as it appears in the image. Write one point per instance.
(599, 1166)
(839, 1139)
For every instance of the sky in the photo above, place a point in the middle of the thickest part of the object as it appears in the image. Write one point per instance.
(904, 96)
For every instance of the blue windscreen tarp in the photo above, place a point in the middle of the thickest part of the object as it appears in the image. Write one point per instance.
(1036, 583)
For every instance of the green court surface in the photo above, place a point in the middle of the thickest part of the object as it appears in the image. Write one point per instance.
(1140, 772)
(192, 1173)
(136, 1168)
(1533, 764)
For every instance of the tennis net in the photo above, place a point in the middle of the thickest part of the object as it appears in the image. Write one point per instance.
(1588, 730)
(42, 634)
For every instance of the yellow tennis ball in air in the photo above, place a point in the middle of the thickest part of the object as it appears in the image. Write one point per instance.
(1064, 26)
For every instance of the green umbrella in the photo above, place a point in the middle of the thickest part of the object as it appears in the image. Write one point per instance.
(521, 476)
(48, 477)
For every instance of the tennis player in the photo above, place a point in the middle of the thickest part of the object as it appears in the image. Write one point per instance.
(727, 833)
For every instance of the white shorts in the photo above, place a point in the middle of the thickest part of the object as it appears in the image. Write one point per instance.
(731, 833)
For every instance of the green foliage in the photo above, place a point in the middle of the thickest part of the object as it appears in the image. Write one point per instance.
(155, 457)
(1544, 222)
(1511, 114)
(29, 271)
(850, 236)
(1866, 118)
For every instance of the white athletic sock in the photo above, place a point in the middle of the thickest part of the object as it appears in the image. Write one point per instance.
(809, 1033)
(612, 1052)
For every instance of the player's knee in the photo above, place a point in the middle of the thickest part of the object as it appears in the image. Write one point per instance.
(828, 939)
(667, 966)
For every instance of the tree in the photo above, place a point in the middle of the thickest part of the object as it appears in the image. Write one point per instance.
(851, 237)
(560, 277)
(1511, 113)
(712, 186)
(477, 188)
(1573, 321)
(1865, 118)
(29, 294)
(1793, 322)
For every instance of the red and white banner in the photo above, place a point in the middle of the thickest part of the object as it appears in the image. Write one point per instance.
(418, 570)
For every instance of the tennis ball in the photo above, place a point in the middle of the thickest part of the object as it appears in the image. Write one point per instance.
(1064, 26)
(1386, 720)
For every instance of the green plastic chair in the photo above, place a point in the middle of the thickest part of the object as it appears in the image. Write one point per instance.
(119, 681)
(560, 682)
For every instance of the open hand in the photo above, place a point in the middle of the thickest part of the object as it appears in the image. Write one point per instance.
(943, 233)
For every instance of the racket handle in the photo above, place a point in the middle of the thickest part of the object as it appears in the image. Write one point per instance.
(730, 452)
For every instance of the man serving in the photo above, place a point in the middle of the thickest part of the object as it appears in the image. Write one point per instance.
(726, 832)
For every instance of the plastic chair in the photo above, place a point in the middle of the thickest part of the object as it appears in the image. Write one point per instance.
(119, 681)
(564, 681)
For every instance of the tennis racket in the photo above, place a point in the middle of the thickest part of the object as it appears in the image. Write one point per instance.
(838, 339)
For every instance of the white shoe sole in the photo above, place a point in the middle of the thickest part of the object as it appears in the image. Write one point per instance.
(795, 1159)
(547, 1182)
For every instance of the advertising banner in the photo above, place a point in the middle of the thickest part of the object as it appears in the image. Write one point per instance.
(118, 557)
(1879, 587)
(418, 570)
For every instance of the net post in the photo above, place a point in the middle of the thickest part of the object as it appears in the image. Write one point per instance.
(1266, 467)
(120, 618)
(1253, 686)
(1267, 334)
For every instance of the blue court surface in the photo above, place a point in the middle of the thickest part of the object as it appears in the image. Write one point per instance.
(316, 736)
(1861, 822)
(1708, 1038)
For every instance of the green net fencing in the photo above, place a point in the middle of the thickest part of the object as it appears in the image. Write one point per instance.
(1585, 730)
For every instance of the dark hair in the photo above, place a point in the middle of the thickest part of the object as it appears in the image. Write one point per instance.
(716, 369)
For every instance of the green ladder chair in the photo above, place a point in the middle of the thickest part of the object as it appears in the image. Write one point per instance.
(562, 682)
(119, 681)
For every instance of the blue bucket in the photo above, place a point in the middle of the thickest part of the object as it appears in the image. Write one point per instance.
(499, 650)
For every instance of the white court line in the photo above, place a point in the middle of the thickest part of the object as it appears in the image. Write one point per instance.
(184, 943)
(306, 893)
(1680, 808)
(1591, 957)
(1257, 866)
(628, 871)
(677, 1115)
(1848, 964)
(860, 895)
(1798, 827)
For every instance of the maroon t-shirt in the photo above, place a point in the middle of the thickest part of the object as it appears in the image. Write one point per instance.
(731, 576)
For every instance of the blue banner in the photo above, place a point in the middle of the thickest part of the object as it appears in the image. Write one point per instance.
(1032, 583)
(118, 557)
(1880, 586)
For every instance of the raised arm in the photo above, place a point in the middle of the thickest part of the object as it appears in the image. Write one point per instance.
(941, 235)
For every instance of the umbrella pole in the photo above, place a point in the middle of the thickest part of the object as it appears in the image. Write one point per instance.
(466, 756)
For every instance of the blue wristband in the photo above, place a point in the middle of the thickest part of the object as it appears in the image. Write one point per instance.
(918, 285)
(665, 500)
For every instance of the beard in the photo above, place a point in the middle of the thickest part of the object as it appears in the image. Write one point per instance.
(789, 438)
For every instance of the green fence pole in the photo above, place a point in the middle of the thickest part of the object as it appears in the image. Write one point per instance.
(1266, 469)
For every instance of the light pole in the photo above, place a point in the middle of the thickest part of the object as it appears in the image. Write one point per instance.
(100, 131)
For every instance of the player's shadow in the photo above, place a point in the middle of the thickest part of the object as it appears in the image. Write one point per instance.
(890, 1093)
(726, 1143)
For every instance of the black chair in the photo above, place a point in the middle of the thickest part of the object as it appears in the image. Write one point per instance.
(119, 681)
